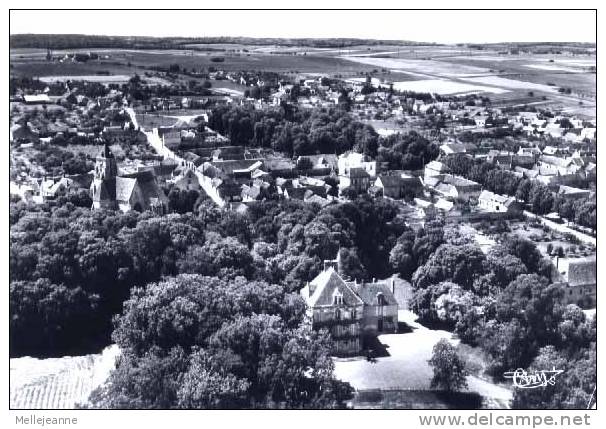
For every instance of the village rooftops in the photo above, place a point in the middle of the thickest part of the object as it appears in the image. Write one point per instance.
(459, 181)
(322, 160)
(36, 99)
(437, 166)
(356, 172)
(491, 196)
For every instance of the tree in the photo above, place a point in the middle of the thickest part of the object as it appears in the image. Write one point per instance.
(573, 389)
(459, 264)
(150, 381)
(452, 306)
(401, 257)
(351, 266)
(449, 371)
(201, 342)
(207, 385)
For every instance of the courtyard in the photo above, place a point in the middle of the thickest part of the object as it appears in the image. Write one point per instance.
(406, 368)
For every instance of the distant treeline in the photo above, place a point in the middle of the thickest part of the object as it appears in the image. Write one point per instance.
(74, 41)
(536, 48)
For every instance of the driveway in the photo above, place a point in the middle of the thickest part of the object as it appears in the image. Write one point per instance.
(406, 367)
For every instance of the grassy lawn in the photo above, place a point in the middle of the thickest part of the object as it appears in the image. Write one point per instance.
(149, 121)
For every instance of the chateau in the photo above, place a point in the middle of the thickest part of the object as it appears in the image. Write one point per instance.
(352, 311)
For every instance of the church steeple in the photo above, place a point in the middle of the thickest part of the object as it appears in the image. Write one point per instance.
(106, 167)
(107, 153)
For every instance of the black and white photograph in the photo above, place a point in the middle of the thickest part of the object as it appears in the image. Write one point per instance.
(303, 209)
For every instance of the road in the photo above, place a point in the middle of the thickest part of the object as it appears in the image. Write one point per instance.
(562, 228)
(155, 141)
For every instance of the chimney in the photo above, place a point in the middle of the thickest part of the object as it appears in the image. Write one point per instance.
(311, 288)
(393, 285)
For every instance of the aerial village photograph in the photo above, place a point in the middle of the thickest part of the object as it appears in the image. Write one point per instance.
(255, 213)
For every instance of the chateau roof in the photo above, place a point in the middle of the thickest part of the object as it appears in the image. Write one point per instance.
(369, 291)
(325, 284)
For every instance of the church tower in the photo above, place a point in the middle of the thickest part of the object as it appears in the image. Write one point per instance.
(103, 188)
(105, 166)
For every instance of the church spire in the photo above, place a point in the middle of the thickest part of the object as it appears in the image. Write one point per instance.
(107, 153)
(106, 167)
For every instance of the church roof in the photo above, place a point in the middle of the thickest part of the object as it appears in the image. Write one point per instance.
(124, 188)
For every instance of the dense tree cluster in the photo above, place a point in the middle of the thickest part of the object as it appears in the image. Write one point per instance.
(202, 342)
(294, 131)
(62, 252)
(504, 302)
(409, 151)
(301, 132)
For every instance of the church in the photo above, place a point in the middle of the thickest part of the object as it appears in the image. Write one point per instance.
(137, 191)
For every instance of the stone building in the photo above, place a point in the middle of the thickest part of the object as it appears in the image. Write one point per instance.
(353, 312)
(581, 282)
(137, 191)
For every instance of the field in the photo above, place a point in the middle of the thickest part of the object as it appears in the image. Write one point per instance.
(56, 383)
(444, 87)
(149, 121)
(89, 78)
(507, 79)
(38, 68)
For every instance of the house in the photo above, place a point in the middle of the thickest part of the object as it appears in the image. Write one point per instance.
(137, 191)
(357, 160)
(454, 148)
(399, 186)
(435, 168)
(588, 133)
(279, 166)
(456, 187)
(499, 157)
(496, 203)
(37, 99)
(581, 281)
(356, 178)
(187, 181)
(480, 120)
(322, 163)
(532, 151)
(354, 312)
(571, 193)
(553, 165)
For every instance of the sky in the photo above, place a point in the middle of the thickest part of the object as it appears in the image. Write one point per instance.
(421, 26)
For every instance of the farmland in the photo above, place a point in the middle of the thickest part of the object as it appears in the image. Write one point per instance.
(58, 382)
(432, 68)
(508, 79)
